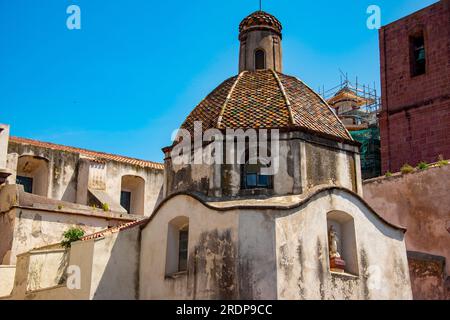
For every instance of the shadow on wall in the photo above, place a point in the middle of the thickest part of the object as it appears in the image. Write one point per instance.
(115, 267)
(70, 191)
(376, 219)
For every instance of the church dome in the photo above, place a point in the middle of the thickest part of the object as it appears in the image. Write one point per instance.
(266, 99)
(260, 19)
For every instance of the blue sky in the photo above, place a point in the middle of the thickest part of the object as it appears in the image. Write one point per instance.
(136, 68)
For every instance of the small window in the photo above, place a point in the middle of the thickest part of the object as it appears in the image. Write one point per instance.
(125, 200)
(417, 56)
(252, 173)
(26, 182)
(177, 246)
(183, 249)
(253, 179)
(260, 60)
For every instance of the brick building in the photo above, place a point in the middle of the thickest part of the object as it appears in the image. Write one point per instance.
(415, 81)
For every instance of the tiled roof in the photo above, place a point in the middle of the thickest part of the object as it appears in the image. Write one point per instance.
(88, 153)
(266, 99)
(346, 94)
(116, 229)
(258, 19)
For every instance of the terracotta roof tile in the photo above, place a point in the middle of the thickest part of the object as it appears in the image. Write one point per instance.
(265, 99)
(112, 230)
(260, 18)
(98, 156)
(310, 111)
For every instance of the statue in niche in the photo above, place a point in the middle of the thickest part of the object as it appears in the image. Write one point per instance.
(337, 264)
(333, 243)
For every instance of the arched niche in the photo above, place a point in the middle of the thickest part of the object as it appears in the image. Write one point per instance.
(33, 174)
(132, 194)
(344, 226)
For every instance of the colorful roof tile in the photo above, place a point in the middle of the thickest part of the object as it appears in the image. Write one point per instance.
(266, 99)
(260, 19)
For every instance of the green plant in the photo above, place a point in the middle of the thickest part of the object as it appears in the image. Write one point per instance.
(423, 165)
(406, 169)
(60, 206)
(71, 235)
(388, 174)
(105, 207)
(441, 161)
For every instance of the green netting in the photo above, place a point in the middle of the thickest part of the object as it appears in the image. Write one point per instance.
(370, 151)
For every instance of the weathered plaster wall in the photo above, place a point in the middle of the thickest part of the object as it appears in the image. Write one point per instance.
(305, 161)
(302, 253)
(268, 41)
(419, 202)
(47, 268)
(212, 247)
(29, 221)
(6, 279)
(62, 169)
(69, 177)
(108, 270)
(262, 253)
(35, 228)
(6, 235)
(330, 167)
(153, 183)
(115, 266)
(4, 137)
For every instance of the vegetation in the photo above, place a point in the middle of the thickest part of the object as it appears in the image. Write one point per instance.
(105, 207)
(388, 174)
(60, 207)
(423, 165)
(71, 235)
(441, 161)
(406, 169)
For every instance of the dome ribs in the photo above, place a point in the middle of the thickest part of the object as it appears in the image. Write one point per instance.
(266, 99)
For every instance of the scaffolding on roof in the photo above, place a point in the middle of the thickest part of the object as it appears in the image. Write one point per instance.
(358, 106)
(366, 102)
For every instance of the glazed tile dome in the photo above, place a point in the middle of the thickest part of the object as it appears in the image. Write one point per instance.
(260, 19)
(266, 99)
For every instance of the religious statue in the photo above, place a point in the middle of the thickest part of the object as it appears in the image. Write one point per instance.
(333, 243)
(337, 264)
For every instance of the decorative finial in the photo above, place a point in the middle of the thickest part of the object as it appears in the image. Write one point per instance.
(260, 5)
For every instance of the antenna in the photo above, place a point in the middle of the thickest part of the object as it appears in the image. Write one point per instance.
(260, 5)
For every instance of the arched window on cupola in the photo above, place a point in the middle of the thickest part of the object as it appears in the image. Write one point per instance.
(260, 59)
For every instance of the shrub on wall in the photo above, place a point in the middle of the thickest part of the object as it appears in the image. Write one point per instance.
(423, 165)
(441, 161)
(71, 235)
(406, 169)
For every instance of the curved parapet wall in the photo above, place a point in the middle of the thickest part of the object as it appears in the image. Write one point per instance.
(257, 249)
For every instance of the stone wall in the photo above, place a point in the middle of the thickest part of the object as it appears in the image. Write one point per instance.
(415, 116)
(420, 202)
